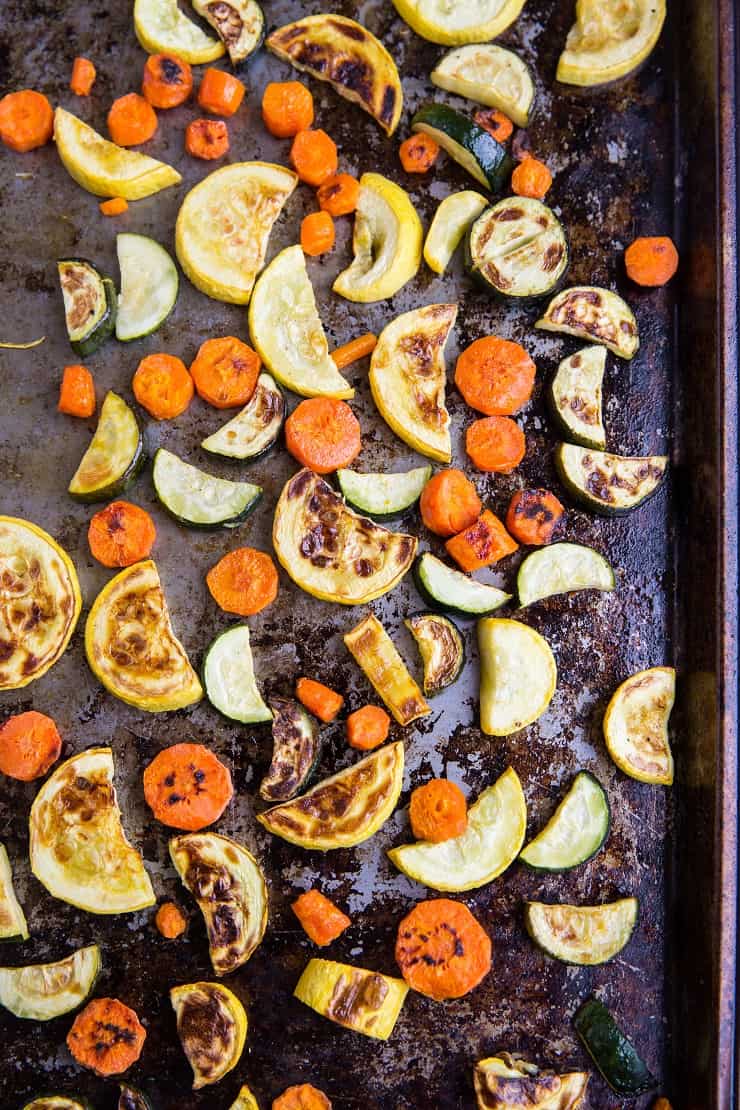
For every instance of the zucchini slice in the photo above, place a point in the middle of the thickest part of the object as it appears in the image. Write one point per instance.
(201, 500)
(40, 992)
(57, 1102)
(375, 653)
(441, 648)
(490, 75)
(245, 1100)
(212, 1027)
(575, 397)
(497, 825)
(605, 44)
(383, 495)
(451, 23)
(518, 249)
(608, 484)
(576, 831)
(89, 304)
(452, 219)
(149, 285)
(228, 677)
(584, 935)
(470, 145)
(610, 1049)
(595, 314)
(229, 887)
(636, 725)
(345, 809)
(162, 28)
(296, 747)
(12, 918)
(115, 455)
(364, 1001)
(454, 592)
(240, 24)
(517, 678)
(254, 430)
(78, 848)
(131, 1098)
(562, 568)
(508, 1082)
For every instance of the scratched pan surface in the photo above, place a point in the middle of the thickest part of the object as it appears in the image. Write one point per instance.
(613, 159)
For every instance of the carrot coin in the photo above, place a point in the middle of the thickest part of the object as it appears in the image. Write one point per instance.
(170, 921)
(106, 1037)
(163, 386)
(225, 372)
(495, 123)
(531, 178)
(419, 153)
(244, 582)
(220, 93)
(131, 120)
(496, 444)
(29, 745)
(317, 233)
(367, 728)
(442, 951)
(318, 699)
(168, 80)
(449, 502)
(339, 195)
(26, 120)
(438, 811)
(533, 516)
(187, 787)
(314, 156)
(302, 1097)
(495, 376)
(651, 261)
(320, 919)
(77, 392)
(287, 108)
(323, 434)
(207, 139)
(121, 534)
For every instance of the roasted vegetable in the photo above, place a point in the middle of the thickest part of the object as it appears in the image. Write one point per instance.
(595, 314)
(608, 484)
(576, 831)
(518, 249)
(200, 500)
(575, 397)
(296, 747)
(451, 221)
(364, 1001)
(40, 992)
(149, 286)
(562, 568)
(518, 675)
(462, 21)
(453, 591)
(245, 1100)
(253, 431)
(57, 1102)
(383, 495)
(12, 918)
(89, 304)
(212, 1027)
(613, 1053)
(375, 653)
(584, 935)
(636, 725)
(441, 648)
(606, 43)
(131, 1098)
(240, 24)
(491, 75)
(508, 1082)
(228, 677)
(162, 28)
(115, 455)
(467, 142)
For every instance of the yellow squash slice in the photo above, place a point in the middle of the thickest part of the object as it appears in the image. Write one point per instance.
(162, 28)
(245, 1100)
(104, 169)
(452, 219)
(365, 1001)
(497, 824)
(40, 602)
(131, 647)
(331, 552)
(375, 653)
(355, 63)
(508, 1082)
(287, 332)
(224, 224)
(453, 22)
(408, 377)
(636, 725)
(518, 675)
(78, 848)
(13, 924)
(608, 41)
(212, 1027)
(345, 809)
(41, 992)
(387, 242)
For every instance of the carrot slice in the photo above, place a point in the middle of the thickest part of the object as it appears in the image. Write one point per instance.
(353, 351)
(531, 178)
(367, 728)
(77, 392)
(225, 372)
(187, 787)
(26, 120)
(438, 811)
(496, 443)
(495, 376)
(170, 921)
(220, 93)
(495, 123)
(302, 1097)
(318, 699)
(449, 503)
(116, 206)
(167, 81)
(323, 434)
(651, 260)
(29, 744)
(83, 77)
(207, 139)
(533, 516)
(287, 108)
(163, 386)
(314, 156)
(131, 120)
(442, 951)
(320, 919)
(481, 544)
(121, 534)
(317, 233)
(244, 582)
(106, 1037)
(419, 153)
(339, 195)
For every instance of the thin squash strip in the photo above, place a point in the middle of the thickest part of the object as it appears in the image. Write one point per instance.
(376, 654)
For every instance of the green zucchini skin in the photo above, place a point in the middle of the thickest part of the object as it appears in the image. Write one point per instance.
(578, 385)
(127, 476)
(613, 1053)
(261, 421)
(429, 629)
(89, 340)
(554, 255)
(162, 460)
(357, 490)
(296, 750)
(598, 840)
(470, 145)
(567, 455)
(443, 604)
(236, 641)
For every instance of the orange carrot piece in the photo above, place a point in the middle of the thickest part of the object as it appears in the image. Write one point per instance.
(531, 178)
(419, 153)
(317, 233)
(442, 950)
(320, 919)
(323, 434)
(495, 376)
(302, 1097)
(353, 351)
(367, 728)
(651, 260)
(29, 745)
(207, 139)
(131, 120)
(496, 444)
(220, 93)
(318, 699)
(533, 516)
(116, 206)
(77, 392)
(167, 81)
(287, 108)
(481, 544)
(225, 372)
(187, 787)
(106, 1037)
(26, 120)
(163, 386)
(170, 921)
(339, 195)
(121, 534)
(495, 123)
(438, 811)
(244, 582)
(83, 77)
(449, 502)
(314, 156)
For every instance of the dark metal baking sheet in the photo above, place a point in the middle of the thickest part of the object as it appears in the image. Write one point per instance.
(620, 157)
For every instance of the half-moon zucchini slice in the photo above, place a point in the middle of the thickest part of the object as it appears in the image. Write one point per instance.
(40, 992)
(408, 378)
(131, 647)
(518, 249)
(490, 75)
(364, 1001)
(576, 831)
(595, 314)
(114, 457)
(469, 144)
(353, 61)
(287, 332)
(13, 924)
(383, 495)
(454, 592)
(605, 483)
(254, 430)
(78, 848)
(228, 676)
(441, 647)
(451, 24)
(240, 24)
(607, 43)
(508, 1082)
(40, 602)
(329, 551)
(296, 747)
(451, 221)
(200, 500)
(375, 653)
(636, 725)
(575, 397)
(562, 568)
(89, 304)
(229, 887)
(518, 675)
(162, 28)
(149, 286)
(212, 1027)
(497, 825)
(345, 809)
(584, 935)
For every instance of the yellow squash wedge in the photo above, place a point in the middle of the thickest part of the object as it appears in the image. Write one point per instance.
(452, 219)
(104, 169)
(453, 22)
(508, 1082)
(162, 28)
(636, 725)
(245, 1100)
(13, 925)
(375, 653)
(212, 1027)
(364, 1001)
(608, 41)
(518, 675)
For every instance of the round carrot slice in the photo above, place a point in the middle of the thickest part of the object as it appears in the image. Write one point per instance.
(29, 744)
(303, 1097)
(121, 534)
(495, 376)
(533, 516)
(449, 503)
(225, 372)
(651, 260)
(131, 120)
(438, 811)
(314, 156)
(170, 921)
(367, 728)
(317, 233)
(168, 80)
(244, 582)
(442, 950)
(339, 195)
(106, 1037)
(323, 434)
(496, 443)
(187, 787)
(531, 178)
(26, 120)
(287, 108)
(418, 153)
(163, 386)
(207, 139)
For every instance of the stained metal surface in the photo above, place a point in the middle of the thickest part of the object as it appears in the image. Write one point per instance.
(616, 165)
